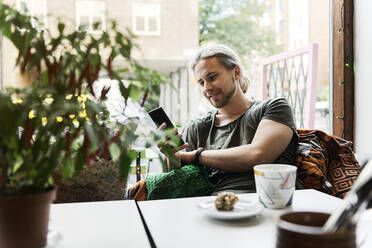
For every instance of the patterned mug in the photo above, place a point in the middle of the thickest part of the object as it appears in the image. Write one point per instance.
(275, 184)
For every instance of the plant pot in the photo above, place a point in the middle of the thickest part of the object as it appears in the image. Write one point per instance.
(24, 219)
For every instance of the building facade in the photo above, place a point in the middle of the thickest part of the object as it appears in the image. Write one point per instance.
(167, 30)
(301, 23)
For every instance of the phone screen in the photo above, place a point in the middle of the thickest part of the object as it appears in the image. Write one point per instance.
(159, 116)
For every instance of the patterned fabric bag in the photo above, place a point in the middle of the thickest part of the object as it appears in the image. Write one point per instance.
(325, 163)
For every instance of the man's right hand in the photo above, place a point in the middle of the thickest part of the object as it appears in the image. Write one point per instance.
(170, 151)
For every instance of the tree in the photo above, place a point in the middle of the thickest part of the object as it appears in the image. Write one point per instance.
(238, 24)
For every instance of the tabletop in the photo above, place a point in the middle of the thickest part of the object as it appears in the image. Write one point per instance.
(179, 223)
(96, 224)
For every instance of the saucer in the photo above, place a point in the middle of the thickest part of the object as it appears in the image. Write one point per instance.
(242, 209)
(53, 238)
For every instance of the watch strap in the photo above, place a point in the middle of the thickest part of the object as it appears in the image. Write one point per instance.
(197, 155)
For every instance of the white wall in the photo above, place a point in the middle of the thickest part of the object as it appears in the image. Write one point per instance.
(363, 75)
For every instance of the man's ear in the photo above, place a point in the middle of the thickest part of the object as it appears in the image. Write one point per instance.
(237, 73)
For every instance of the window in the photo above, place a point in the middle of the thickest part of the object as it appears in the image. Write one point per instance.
(281, 28)
(90, 16)
(282, 5)
(35, 8)
(146, 19)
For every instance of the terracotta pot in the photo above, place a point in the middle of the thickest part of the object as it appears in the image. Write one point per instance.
(24, 219)
(304, 229)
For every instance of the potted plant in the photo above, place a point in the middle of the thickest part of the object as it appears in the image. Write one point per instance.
(58, 124)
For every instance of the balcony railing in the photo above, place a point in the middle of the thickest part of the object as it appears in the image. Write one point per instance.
(293, 75)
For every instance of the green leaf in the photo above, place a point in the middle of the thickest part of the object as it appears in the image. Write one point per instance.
(134, 92)
(50, 180)
(17, 163)
(97, 108)
(61, 27)
(123, 90)
(114, 151)
(92, 135)
(125, 161)
(79, 161)
(67, 168)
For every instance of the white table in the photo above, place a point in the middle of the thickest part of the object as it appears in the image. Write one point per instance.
(179, 223)
(96, 224)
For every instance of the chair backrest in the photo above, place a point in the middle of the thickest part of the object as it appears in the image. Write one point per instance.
(293, 75)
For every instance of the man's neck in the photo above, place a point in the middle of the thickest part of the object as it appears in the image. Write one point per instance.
(233, 109)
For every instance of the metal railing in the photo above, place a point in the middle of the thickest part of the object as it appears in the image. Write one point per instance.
(180, 98)
(293, 75)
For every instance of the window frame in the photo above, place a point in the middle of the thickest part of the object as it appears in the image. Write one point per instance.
(32, 11)
(343, 69)
(80, 5)
(342, 83)
(155, 7)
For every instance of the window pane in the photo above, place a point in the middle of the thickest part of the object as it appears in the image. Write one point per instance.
(97, 10)
(24, 8)
(36, 9)
(97, 23)
(281, 28)
(91, 15)
(153, 24)
(84, 23)
(146, 18)
(140, 23)
(83, 8)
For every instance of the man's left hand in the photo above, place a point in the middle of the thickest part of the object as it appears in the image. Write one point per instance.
(186, 157)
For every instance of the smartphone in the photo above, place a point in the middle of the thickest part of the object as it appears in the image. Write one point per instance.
(159, 116)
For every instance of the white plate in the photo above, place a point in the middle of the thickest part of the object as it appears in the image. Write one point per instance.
(53, 238)
(242, 209)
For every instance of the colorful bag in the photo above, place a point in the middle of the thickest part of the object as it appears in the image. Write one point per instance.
(326, 163)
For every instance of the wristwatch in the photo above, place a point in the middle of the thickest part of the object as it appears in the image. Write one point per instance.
(197, 155)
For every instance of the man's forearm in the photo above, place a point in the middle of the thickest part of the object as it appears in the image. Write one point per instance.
(270, 140)
(236, 159)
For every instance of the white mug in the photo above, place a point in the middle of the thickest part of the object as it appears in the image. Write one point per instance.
(275, 184)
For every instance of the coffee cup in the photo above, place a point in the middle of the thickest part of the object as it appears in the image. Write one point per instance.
(304, 229)
(275, 184)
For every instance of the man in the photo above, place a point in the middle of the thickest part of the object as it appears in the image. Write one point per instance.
(239, 133)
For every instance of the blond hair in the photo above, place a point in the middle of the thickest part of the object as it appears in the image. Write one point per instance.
(226, 56)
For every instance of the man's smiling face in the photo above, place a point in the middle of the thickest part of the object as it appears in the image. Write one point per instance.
(217, 82)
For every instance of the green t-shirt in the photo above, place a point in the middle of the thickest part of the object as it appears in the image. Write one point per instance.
(203, 133)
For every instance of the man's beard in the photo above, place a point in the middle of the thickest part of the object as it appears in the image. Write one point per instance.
(226, 97)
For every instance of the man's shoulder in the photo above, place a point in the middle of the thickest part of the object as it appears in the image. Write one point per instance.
(261, 107)
(196, 131)
(202, 119)
(279, 101)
